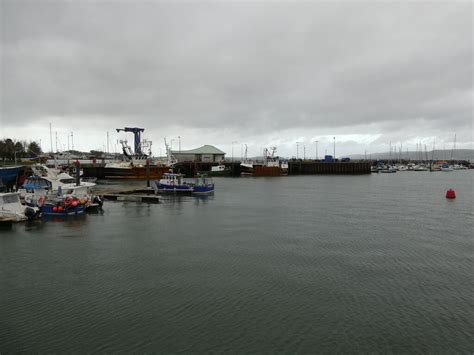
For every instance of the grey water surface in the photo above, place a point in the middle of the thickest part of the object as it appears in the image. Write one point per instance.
(370, 263)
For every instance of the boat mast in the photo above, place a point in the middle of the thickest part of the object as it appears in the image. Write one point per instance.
(51, 136)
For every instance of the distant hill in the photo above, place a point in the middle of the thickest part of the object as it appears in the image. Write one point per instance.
(458, 154)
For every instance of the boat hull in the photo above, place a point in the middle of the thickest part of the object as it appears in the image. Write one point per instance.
(203, 189)
(47, 210)
(9, 175)
(156, 172)
(267, 171)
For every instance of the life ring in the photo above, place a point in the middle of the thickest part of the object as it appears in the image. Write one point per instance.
(68, 201)
(41, 201)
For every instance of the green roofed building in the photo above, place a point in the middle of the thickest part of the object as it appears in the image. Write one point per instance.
(206, 154)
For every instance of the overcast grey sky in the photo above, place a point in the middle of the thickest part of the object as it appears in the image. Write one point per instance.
(261, 73)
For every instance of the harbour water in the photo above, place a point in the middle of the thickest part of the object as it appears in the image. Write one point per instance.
(370, 263)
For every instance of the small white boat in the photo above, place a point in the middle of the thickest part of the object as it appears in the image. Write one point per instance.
(12, 209)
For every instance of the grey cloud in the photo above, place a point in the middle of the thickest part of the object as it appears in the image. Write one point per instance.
(240, 66)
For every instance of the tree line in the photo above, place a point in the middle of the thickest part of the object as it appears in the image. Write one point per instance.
(9, 149)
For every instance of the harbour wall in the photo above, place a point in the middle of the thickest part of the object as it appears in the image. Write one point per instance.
(294, 168)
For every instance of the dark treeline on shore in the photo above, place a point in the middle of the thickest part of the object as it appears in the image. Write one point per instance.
(12, 149)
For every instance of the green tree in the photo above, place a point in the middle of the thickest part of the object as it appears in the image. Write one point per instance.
(35, 149)
(9, 149)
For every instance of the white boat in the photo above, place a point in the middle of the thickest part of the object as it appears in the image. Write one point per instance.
(48, 184)
(246, 167)
(11, 208)
(389, 170)
(420, 168)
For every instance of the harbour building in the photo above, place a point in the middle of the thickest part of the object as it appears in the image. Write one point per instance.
(204, 154)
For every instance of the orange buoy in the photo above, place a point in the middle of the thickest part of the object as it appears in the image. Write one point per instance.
(450, 194)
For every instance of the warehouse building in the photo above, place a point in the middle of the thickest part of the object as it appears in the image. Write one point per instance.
(205, 154)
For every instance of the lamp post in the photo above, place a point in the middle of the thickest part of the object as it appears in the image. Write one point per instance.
(179, 143)
(304, 152)
(297, 149)
(233, 142)
(334, 147)
(316, 158)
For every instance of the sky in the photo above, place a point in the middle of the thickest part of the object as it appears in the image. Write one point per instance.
(372, 74)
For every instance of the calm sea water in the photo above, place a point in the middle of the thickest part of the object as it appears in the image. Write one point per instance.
(380, 263)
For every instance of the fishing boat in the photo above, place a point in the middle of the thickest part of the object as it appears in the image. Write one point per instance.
(138, 163)
(220, 170)
(67, 206)
(246, 166)
(272, 165)
(176, 183)
(11, 208)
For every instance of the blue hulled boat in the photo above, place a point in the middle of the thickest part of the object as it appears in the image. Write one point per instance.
(175, 183)
(63, 207)
(9, 174)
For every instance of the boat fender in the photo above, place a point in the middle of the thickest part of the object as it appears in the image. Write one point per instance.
(68, 201)
(41, 201)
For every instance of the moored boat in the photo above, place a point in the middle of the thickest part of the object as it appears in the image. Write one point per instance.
(64, 207)
(9, 175)
(138, 164)
(220, 170)
(12, 209)
(175, 183)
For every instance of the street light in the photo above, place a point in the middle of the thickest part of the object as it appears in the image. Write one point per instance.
(297, 149)
(316, 150)
(334, 147)
(233, 142)
(179, 143)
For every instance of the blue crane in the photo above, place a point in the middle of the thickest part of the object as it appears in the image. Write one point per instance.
(137, 133)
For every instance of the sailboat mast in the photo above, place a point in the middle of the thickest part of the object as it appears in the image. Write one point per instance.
(51, 136)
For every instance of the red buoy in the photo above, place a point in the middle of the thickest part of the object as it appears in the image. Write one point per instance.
(60, 208)
(450, 194)
(55, 209)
